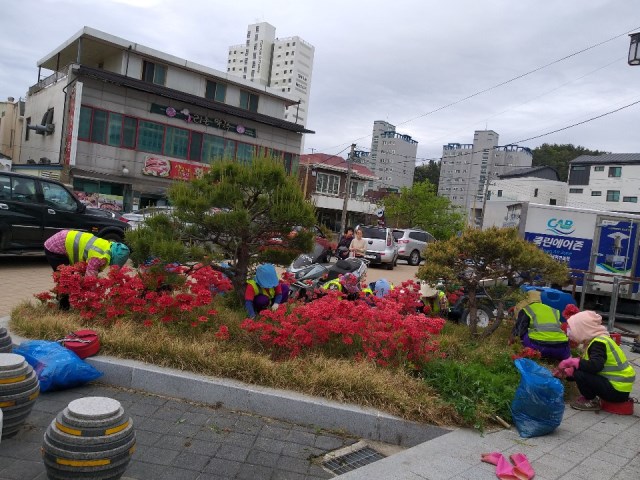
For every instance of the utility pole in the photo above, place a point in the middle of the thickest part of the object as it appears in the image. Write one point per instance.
(306, 176)
(347, 190)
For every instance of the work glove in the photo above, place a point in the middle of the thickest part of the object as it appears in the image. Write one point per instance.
(572, 362)
(570, 365)
(275, 306)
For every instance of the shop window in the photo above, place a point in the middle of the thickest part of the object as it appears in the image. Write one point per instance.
(195, 147)
(150, 136)
(154, 73)
(217, 148)
(215, 91)
(99, 126)
(176, 142)
(84, 124)
(249, 101)
(129, 132)
(245, 152)
(114, 129)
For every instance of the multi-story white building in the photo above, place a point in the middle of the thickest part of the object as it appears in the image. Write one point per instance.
(467, 169)
(535, 185)
(285, 64)
(125, 120)
(605, 182)
(392, 158)
(11, 125)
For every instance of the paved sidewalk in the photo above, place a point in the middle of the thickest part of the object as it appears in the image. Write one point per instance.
(178, 440)
(20, 278)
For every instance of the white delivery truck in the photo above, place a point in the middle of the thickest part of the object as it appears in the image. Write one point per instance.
(598, 246)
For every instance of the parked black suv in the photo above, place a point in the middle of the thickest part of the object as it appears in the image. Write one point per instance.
(32, 209)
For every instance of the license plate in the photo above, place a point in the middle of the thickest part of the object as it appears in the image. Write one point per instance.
(371, 257)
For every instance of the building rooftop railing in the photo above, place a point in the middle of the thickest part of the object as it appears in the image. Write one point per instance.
(458, 146)
(50, 80)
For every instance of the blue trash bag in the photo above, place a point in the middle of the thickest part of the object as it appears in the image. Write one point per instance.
(57, 367)
(538, 405)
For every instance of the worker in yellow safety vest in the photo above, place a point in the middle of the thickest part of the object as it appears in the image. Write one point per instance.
(603, 372)
(434, 298)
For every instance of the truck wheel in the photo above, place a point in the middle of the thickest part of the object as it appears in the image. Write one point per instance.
(484, 316)
(414, 258)
(113, 237)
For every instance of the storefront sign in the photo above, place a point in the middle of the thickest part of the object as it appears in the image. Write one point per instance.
(189, 117)
(172, 169)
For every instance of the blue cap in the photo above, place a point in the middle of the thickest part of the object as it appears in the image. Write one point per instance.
(266, 276)
(119, 254)
(382, 287)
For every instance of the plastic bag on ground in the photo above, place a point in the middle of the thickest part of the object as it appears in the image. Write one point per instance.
(538, 405)
(57, 368)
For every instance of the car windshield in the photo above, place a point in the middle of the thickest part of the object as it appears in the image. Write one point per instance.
(369, 232)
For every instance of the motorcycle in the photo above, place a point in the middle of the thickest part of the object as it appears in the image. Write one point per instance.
(307, 276)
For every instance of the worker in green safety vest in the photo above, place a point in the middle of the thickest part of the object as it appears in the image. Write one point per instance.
(539, 327)
(603, 372)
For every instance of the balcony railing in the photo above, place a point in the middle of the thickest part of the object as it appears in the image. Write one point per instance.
(44, 83)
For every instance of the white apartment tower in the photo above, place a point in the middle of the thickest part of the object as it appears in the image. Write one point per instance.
(284, 64)
(467, 170)
(392, 157)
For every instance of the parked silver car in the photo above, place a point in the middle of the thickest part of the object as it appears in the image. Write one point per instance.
(382, 249)
(411, 244)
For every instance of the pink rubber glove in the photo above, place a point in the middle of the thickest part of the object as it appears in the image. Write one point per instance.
(569, 371)
(573, 362)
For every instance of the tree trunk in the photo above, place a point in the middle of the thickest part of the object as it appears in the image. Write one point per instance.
(493, 326)
(242, 268)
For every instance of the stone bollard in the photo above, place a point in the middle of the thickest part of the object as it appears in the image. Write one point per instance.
(19, 388)
(90, 439)
(5, 341)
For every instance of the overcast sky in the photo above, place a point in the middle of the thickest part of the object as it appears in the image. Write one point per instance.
(393, 61)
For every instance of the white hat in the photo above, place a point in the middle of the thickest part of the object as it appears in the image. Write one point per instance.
(427, 290)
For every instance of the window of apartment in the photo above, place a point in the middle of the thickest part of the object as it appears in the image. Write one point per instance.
(150, 136)
(154, 73)
(596, 193)
(535, 192)
(613, 195)
(576, 190)
(552, 201)
(215, 91)
(499, 193)
(249, 101)
(615, 171)
(598, 169)
(630, 199)
(257, 28)
(357, 189)
(326, 183)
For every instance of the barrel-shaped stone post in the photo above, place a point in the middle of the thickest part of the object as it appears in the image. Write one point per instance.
(92, 438)
(5, 341)
(19, 389)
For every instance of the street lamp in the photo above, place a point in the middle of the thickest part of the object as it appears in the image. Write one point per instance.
(634, 49)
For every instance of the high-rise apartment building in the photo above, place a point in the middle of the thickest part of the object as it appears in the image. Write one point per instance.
(392, 157)
(284, 64)
(467, 169)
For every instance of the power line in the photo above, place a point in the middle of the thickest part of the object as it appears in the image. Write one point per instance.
(517, 77)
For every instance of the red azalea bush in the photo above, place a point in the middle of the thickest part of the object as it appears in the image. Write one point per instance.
(385, 330)
(144, 295)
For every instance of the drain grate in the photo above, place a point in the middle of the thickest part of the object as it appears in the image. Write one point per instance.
(351, 461)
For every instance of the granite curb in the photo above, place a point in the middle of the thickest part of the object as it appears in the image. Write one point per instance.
(285, 405)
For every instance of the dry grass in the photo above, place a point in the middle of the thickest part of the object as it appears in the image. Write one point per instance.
(393, 391)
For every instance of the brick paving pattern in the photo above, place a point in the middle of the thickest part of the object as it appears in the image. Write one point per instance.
(179, 440)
